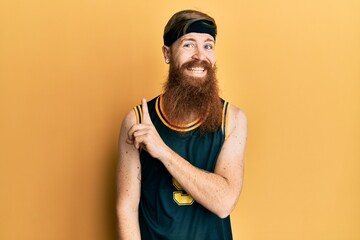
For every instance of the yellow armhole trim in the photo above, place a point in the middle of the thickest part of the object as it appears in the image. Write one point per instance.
(225, 120)
(138, 113)
(227, 123)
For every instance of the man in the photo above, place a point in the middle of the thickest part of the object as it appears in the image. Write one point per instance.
(181, 154)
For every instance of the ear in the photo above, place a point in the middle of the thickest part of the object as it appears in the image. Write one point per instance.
(166, 53)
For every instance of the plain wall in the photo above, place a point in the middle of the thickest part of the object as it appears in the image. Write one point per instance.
(71, 70)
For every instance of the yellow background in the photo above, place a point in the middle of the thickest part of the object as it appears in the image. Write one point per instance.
(70, 71)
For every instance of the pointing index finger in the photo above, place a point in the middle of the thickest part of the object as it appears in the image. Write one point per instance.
(145, 111)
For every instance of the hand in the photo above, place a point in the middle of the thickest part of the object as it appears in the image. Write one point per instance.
(145, 136)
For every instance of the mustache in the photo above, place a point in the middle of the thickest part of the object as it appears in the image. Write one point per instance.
(197, 63)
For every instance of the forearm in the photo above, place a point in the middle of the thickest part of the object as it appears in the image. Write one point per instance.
(211, 190)
(128, 225)
(218, 191)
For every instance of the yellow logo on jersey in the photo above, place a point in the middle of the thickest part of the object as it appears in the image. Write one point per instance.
(179, 196)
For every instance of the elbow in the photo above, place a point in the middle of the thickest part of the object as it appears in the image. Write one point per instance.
(224, 212)
(225, 209)
(223, 215)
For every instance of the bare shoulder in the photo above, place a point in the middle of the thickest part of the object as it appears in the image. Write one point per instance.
(237, 121)
(232, 153)
(129, 120)
(126, 149)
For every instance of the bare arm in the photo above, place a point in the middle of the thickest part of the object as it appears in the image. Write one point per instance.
(218, 191)
(128, 181)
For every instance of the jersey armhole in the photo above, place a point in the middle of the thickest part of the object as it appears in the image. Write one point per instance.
(225, 120)
(138, 114)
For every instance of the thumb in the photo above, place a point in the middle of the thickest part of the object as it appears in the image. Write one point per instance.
(145, 112)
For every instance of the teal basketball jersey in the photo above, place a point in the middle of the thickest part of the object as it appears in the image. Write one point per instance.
(166, 211)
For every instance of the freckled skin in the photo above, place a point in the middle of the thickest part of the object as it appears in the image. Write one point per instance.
(227, 178)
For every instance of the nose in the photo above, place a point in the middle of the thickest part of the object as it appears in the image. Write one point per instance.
(199, 54)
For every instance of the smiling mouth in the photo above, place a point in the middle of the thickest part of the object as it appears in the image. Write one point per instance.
(196, 70)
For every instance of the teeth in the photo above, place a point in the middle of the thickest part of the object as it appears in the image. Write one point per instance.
(197, 69)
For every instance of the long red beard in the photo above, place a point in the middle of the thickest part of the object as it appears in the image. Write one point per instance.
(186, 96)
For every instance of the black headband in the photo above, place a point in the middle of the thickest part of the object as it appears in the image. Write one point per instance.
(200, 26)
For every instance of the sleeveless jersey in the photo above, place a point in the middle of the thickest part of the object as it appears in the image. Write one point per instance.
(166, 211)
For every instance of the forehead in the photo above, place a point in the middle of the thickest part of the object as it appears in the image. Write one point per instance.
(200, 37)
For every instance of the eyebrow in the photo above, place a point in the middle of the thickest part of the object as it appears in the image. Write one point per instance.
(193, 40)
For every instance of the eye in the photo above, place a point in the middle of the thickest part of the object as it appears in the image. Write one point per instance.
(209, 46)
(188, 45)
